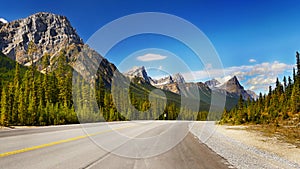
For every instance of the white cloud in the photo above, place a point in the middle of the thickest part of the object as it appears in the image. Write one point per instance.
(261, 80)
(3, 20)
(252, 60)
(253, 88)
(255, 77)
(151, 57)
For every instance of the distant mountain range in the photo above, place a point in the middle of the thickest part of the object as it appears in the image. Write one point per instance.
(53, 34)
(170, 83)
(177, 84)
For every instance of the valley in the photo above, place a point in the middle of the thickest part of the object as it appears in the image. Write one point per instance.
(65, 105)
(49, 54)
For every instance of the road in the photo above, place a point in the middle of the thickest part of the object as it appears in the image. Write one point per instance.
(126, 145)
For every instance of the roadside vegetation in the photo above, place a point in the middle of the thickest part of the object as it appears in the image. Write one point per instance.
(277, 113)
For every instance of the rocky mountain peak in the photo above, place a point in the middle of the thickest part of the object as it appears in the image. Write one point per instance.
(234, 79)
(49, 32)
(233, 86)
(165, 80)
(212, 83)
(233, 82)
(138, 71)
(178, 78)
(53, 34)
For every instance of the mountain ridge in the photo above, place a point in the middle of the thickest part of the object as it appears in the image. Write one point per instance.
(233, 86)
(49, 32)
(53, 35)
(174, 83)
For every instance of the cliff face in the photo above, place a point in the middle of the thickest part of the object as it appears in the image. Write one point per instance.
(52, 34)
(48, 31)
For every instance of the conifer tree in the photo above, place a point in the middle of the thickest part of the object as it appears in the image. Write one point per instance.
(22, 109)
(4, 109)
(16, 94)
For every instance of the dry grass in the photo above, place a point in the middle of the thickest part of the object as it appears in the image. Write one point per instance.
(289, 134)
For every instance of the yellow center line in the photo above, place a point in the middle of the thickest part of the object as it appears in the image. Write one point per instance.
(57, 142)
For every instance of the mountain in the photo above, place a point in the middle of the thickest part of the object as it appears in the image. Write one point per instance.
(233, 86)
(169, 83)
(178, 78)
(163, 81)
(172, 87)
(142, 75)
(177, 85)
(174, 83)
(53, 35)
(48, 31)
(139, 73)
(253, 95)
(212, 83)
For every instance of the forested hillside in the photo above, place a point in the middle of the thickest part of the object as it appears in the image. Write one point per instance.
(29, 97)
(281, 106)
(37, 81)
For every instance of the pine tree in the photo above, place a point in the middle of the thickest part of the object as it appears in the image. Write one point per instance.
(40, 90)
(16, 94)
(295, 97)
(4, 109)
(289, 88)
(294, 75)
(284, 83)
(100, 88)
(22, 109)
(10, 102)
(46, 62)
(15, 104)
(111, 114)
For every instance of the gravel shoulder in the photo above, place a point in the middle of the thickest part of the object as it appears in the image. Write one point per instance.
(247, 149)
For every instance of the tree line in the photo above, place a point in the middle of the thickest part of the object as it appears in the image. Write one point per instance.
(34, 98)
(280, 104)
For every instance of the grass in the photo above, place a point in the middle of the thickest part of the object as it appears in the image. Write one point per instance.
(285, 133)
(286, 130)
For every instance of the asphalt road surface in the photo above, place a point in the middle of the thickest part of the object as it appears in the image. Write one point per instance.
(120, 145)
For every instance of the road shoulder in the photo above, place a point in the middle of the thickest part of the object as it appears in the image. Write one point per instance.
(242, 148)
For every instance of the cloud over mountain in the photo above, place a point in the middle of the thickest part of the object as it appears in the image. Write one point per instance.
(257, 76)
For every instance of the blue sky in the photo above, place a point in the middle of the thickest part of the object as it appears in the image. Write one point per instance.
(255, 40)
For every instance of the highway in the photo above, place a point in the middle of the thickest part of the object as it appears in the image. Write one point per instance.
(117, 145)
